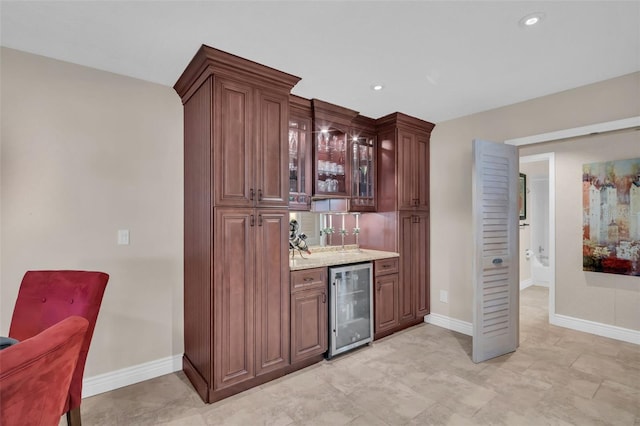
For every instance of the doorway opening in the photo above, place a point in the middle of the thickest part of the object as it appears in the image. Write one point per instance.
(537, 230)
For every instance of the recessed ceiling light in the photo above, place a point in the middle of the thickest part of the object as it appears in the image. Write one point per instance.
(531, 19)
(377, 87)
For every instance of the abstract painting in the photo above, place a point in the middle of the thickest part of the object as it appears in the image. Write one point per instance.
(611, 217)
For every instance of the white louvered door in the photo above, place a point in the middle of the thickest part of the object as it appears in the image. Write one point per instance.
(495, 263)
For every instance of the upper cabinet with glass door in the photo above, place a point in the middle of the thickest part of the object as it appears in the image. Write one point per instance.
(331, 124)
(363, 172)
(300, 156)
(331, 163)
(362, 159)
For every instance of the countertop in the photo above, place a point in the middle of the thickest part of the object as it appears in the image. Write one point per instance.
(333, 255)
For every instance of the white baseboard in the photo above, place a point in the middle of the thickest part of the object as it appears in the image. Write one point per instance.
(597, 328)
(450, 323)
(128, 376)
(526, 283)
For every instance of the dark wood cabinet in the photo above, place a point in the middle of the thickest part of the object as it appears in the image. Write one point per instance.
(247, 320)
(386, 318)
(413, 170)
(344, 156)
(403, 211)
(236, 269)
(300, 154)
(250, 156)
(309, 310)
(251, 295)
(414, 275)
(272, 290)
(332, 171)
(233, 298)
(362, 158)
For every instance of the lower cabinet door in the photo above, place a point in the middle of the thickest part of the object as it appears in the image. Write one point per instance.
(406, 299)
(421, 267)
(272, 290)
(233, 297)
(309, 326)
(386, 302)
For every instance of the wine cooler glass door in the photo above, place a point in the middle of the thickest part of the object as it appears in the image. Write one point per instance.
(352, 324)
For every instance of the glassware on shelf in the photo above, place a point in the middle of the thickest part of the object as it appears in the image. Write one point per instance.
(293, 143)
(299, 152)
(330, 165)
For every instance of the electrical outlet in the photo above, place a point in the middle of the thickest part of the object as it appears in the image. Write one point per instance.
(444, 296)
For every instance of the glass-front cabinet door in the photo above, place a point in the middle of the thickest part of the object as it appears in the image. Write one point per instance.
(299, 163)
(363, 173)
(331, 164)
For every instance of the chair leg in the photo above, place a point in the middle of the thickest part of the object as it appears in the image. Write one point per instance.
(73, 417)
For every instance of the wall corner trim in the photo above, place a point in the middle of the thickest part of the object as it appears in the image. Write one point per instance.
(130, 375)
(449, 323)
(597, 328)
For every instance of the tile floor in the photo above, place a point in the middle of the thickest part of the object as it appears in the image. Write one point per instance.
(422, 376)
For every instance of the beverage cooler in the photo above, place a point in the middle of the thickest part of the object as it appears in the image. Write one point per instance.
(351, 308)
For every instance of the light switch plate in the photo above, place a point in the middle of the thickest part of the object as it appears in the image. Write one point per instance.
(123, 237)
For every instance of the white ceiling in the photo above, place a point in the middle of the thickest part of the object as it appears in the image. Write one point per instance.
(437, 60)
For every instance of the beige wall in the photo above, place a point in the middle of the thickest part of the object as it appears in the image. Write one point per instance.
(85, 153)
(604, 298)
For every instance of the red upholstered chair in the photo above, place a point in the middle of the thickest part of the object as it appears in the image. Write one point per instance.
(35, 374)
(47, 297)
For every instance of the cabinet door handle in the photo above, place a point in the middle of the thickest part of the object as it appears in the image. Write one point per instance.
(251, 194)
(252, 220)
(386, 266)
(307, 279)
(324, 297)
(259, 220)
(379, 285)
(259, 194)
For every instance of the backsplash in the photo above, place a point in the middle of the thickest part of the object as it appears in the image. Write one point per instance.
(310, 224)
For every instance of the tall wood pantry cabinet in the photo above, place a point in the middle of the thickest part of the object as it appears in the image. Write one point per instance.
(236, 271)
(401, 223)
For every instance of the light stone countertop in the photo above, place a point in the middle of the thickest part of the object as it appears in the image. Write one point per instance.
(333, 255)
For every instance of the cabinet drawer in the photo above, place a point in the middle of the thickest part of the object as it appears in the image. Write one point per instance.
(386, 266)
(308, 278)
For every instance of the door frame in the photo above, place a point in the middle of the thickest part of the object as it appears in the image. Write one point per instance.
(549, 157)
